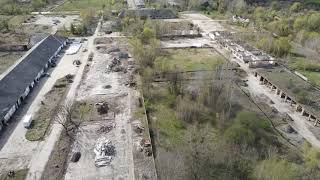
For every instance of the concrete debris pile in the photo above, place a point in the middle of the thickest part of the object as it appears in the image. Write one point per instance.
(106, 128)
(112, 49)
(138, 128)
(105, 152)
(131, 82)
(107, 49)
(145, 146)
(106, 40)
(115, 65)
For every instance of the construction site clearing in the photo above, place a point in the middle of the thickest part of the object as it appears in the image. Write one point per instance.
(109, 131)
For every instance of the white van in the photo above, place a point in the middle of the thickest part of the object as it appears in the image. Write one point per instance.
(27, 119)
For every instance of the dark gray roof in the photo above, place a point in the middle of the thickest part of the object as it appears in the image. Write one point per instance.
(13, 84)
(155, 13)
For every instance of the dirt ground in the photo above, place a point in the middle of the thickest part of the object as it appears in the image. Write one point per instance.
(55, 22)
(205, 23)
(49, 106)
(9, 58)
(101, 85)
(55, 167)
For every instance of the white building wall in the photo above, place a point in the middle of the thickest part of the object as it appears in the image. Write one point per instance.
(26, 92)
(10, 113)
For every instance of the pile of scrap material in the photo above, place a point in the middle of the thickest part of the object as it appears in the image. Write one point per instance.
(115, 65)
(102, 107)
(145, 146)
(105, 40)
(105, 152)
(106, 128)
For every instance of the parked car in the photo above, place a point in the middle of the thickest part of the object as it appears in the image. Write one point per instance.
(27, 120)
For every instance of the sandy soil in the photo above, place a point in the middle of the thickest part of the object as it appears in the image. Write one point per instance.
(205, 23)
(186, 43)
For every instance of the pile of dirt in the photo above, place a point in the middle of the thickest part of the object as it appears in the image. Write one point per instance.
(102, 107)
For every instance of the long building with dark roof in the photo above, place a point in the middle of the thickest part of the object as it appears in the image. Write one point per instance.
(18, 80)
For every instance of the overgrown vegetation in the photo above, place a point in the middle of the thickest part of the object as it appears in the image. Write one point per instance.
(275, 26)
(9, 7)
(200, 131)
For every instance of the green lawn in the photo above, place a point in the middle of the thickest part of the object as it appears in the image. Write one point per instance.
(189, 59)
(163, 116)
(307, 67)
(313, 77)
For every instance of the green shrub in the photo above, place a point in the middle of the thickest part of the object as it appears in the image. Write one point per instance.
(249, 129)
(296, 7)
(276, 168)
(314, 22)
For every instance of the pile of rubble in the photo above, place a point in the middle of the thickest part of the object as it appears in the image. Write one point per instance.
(106, 128)
(102, 107)
(145, 146)
(115, 65)
(105, 152)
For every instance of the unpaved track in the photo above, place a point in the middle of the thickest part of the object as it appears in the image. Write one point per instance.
(92, 89)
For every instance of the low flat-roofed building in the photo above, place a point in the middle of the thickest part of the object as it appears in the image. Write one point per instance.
(301, 95)
(19, 79)
(153, 13)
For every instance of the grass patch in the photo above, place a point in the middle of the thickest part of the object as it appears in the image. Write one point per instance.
(189, 59)
(77, 5)
(42, 118)
(18, 20)
(170, 130)
(313, 77)
(305, 64)
(19, 175)
(309, 68)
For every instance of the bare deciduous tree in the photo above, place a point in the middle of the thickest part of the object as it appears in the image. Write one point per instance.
(68, 118)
